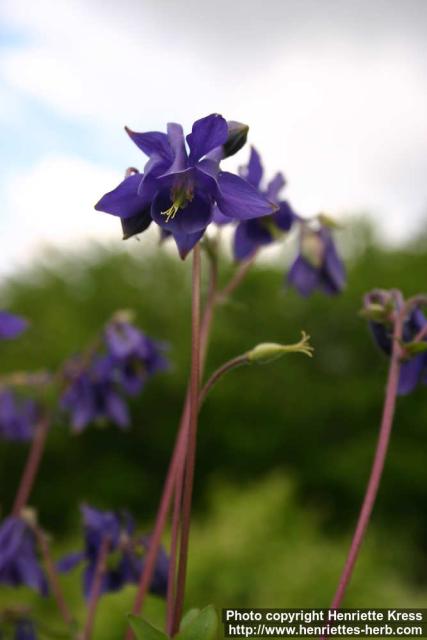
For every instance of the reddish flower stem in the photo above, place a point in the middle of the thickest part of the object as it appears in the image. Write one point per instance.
(162, 514)
(237, 278)
(32, 466)
(176, 524)
(95, 592)
(179, 449)
(52, 574)
(378, 464)
(234, 363)
(205, 327)
(421, 334)
(190, 462)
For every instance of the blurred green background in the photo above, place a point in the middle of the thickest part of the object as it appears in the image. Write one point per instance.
(284, 450)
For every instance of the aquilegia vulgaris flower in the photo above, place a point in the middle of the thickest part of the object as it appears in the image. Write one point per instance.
(11, 326)
(96, 386)
(182, 182)
(134, 355)
(125, 557)
(19, 564)
(18, 417)
(318, 265)
(16, 625)
(379, 307)
(253, 234)
(24, 630)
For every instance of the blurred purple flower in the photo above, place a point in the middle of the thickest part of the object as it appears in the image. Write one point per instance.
(181, 184)
(16, 626)
(92, 396)
(95, 389)
(318, 265)
(11, 326)
(19, 564)
(413, 370)
(135, 356)
(18, 418)
(25, 630)
(125, 561)
(253, 234)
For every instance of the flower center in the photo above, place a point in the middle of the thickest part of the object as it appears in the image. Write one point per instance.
(180, 197)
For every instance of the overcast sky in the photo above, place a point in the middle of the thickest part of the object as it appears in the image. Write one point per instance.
(334, 91)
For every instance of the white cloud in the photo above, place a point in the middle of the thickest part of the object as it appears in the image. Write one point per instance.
(52, 204)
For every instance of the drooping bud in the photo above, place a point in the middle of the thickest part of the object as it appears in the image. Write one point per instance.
(237, 136)
(268, 351)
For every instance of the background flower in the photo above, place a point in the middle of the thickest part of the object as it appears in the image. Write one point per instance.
(19, 564)
(125, 554)
(18, 416)
(413, 369)
(96, 387)
(11, 326)
(318, 265)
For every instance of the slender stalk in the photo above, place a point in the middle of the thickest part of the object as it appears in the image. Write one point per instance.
(100, 569)
(178, 454)
(52, 574)
(421, 334)
(206, 323)
(378, 464)
(176, 524)
(176, 519)
(191, 442)
(32, 466)
(237, 279)
(162, 514)
(168, 489)
(239, 361)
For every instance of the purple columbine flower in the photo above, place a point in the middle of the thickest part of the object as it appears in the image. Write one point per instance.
(318, 265)
(182, 182)
(125, 553)
(11, 326)
(95, 389)
(413, 369)
(253, 234)
(25, 630)
(92, 395)
(135, 356)
(18, 418)
(20, 626)
(19, 564)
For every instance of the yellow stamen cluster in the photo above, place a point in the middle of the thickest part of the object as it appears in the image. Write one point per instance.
(180, 198)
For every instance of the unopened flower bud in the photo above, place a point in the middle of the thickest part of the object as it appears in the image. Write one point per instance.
(269, 351)
(237, 136)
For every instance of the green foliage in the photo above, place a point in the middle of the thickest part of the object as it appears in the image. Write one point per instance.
(145, 631)
(200, 626)
(196, 625)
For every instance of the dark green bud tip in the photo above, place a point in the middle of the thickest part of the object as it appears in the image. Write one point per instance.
(237, 136)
